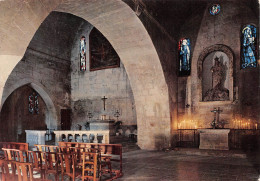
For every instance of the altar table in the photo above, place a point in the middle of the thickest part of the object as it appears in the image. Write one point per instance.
(215, 139)
(35, 137)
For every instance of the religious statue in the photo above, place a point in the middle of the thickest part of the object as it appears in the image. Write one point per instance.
(218, 92)
(217, 73)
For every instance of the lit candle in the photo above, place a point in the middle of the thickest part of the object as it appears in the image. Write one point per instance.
(255, 126)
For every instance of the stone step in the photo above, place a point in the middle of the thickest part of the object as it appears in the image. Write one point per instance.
(214, 153)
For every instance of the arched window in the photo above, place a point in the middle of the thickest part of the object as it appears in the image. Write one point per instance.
(83, 53)
(33, 103)
(248, 46)
(184, 56)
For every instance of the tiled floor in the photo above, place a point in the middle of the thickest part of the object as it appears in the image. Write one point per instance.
(154, 165)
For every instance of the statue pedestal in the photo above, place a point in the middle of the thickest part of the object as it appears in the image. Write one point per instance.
(214, 139)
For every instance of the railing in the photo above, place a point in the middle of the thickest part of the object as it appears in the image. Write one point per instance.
(82, 136)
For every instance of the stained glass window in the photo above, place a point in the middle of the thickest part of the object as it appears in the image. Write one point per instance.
(249, 46)
(33, 103)
(184, 56)
(83, 53)
(214, 9)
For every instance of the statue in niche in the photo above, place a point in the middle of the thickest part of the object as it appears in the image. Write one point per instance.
(218, 91)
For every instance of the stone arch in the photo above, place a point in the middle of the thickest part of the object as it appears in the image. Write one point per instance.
(124, 30)
(205, 53)
(51, 117)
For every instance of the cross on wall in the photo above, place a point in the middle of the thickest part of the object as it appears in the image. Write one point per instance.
(104, 101)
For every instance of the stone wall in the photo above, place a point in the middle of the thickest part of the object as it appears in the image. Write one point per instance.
(88, 87)
(222, 29)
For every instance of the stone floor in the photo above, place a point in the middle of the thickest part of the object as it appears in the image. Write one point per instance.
(187, 164)
(142, 165)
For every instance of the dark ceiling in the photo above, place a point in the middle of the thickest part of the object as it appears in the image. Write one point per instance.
(171, 14)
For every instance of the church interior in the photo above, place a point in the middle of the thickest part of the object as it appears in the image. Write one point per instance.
(175, 82)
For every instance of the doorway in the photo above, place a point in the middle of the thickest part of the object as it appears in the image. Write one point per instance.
(65, 115)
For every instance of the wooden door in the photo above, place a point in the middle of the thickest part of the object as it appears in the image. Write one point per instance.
(65, 119)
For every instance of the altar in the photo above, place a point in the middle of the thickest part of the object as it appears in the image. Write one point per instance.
(103, 125)
(214, 139)
(35, 137)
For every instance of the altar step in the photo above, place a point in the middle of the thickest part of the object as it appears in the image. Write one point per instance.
(214, 153)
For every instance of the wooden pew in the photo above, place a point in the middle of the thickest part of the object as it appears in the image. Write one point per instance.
(113, 150)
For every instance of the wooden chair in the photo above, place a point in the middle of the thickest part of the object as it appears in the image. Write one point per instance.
(90, 166)
(6, 174)
(78, 152)
(68, 165)
(25, 172)
(103, 161)
(51, 165)
(35, 157)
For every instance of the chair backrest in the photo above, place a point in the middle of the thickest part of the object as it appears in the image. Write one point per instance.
(25, 171)
(14, 145)
(51, 160)
(47, 148)
(34, 157)
(89, 166)
(13, 154)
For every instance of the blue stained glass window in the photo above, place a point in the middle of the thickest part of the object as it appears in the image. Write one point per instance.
(214, 9)
(184, 56)
(83, 53)
(249, 46)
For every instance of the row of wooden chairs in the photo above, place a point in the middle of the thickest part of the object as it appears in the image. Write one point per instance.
(21, 171)
(72, 163)
(103, 161)
(113, 151)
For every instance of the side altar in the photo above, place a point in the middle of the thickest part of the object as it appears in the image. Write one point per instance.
(35, 137)
(214, 139)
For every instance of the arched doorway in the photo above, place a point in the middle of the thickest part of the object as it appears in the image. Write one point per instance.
(120, 25)
(17, 115)
(50, 114)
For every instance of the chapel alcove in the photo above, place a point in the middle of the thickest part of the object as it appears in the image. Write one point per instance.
(16, 116)
(101, 90)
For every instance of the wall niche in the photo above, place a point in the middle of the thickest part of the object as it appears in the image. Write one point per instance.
(215, 72)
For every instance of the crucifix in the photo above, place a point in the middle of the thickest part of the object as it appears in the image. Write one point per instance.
(104, 100)
(216, 116)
